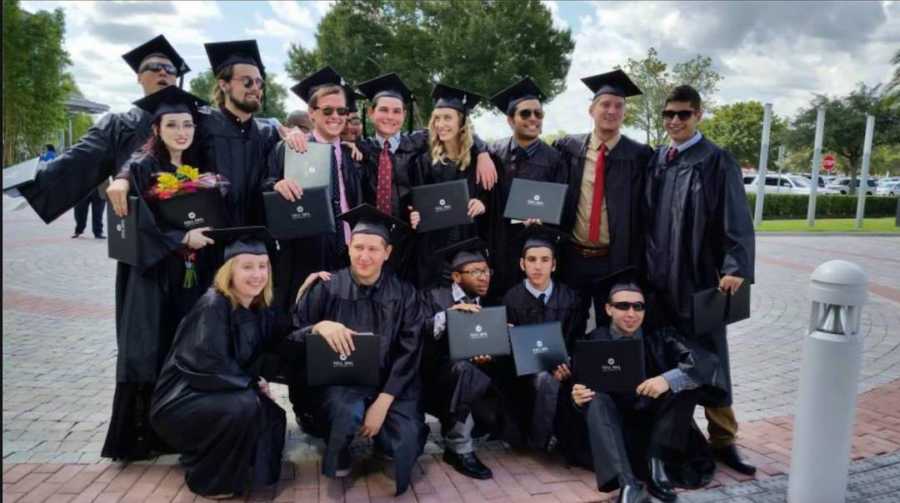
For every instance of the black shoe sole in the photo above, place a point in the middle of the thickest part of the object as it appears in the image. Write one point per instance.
(660, 496)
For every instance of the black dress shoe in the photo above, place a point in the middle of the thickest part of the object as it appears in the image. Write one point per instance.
(659, 484)
(730, 457)
(468, 464)
(633, 493)
(99, 236)
(76, 235)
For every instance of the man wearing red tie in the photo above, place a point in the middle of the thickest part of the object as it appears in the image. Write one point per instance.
(605, 171)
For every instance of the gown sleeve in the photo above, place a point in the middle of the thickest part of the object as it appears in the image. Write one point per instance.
(156, 239)
(406, 352)
(309, 310)
(739, 241)
(274, 168)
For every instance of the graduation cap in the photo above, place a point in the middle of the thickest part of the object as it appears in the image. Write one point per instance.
(223, 54)
(323, 77)
(525, 89)
(457, 99)
(239, 240)
(352, 96)
(156, 46)
(465, 252)
(170, 100)
(386, 85)
(366, 219)
(615, 82)
(626, 280)
(542, 236)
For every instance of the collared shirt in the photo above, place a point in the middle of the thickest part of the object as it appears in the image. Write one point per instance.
(244, 126)
(537, 293)
(342, 191)
(440, 319)
(689, 143)
(528, 150)
(677, 379)
(393, 141)
(586, 198)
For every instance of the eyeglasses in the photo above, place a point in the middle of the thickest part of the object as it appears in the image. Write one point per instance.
(249, 82)
(525, 114)
(328, 111)
(682, 114)
(479, 273)
(625, 306)
(155, 67)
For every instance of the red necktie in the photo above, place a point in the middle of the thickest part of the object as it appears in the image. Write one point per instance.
(599, 186)
(671, 153)
(383, 191)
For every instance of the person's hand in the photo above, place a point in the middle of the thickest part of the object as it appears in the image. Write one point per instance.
(338, 337)
(476, 207)
(289, 189)
(482, 359)
(581, 394)
(562, 372)
(196, 239)
(485, 171)
(730, 284)
(414, 217)
(469, 308)
(375, 415)
(532, 221)
(310, 280)
(265, 389)
(293, 138)
(355, 154)
(653, 387)
(117, 195)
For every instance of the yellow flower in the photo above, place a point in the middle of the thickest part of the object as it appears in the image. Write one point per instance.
(189, 172)
(167, 181)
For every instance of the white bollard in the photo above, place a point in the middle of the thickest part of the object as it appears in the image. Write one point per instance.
(826, 406)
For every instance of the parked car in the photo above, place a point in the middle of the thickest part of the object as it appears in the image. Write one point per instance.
(783, 184)
(888, 180)
(889, 189)
(842, 185)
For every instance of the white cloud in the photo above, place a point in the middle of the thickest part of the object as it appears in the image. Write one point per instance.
(553, 6)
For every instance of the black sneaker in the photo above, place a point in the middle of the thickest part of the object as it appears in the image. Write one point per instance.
(468, 464)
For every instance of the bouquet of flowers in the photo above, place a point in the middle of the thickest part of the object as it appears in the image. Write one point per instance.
(185, 180)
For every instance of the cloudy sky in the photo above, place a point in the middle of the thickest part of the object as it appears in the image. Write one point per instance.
(778, 52)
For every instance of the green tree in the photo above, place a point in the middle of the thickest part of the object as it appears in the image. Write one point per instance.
(894, 84)
(273, 98)
(482, 46)
(653, 76)
(34, 83)
(738, 129)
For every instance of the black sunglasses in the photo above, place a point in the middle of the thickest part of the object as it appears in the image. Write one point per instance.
(155, 67)
(249, 82)
(328, 111)
(526, 113)
(682, 114)
(625, 306)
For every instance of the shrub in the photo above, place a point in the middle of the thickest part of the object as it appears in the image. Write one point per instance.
(794, 206)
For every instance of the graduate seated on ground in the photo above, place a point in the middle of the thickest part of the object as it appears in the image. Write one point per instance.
(210, 403)
(534, 300)
(362, 298)
(454, 388)
(649, 432)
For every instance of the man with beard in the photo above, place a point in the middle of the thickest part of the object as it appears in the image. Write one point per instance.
(605, 171)
(353, 128)
(523, 155)
(700, 236)
(102, 151)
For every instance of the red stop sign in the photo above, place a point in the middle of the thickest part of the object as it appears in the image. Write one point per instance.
(828, 162)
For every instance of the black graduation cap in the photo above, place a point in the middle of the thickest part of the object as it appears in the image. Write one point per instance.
(465, 252)
(615, 82)
(366, 219)
(156, 45)
(525, 89)
(628, 279)
(239, 240)
(323, 77)
(222, 54)
(352, 96)
(170, 100)
(386, 85)
(542, 236)
(457, 99)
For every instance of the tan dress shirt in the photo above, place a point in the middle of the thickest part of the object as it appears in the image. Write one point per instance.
(586, 198)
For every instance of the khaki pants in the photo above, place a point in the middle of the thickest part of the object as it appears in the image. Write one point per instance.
(722, 426)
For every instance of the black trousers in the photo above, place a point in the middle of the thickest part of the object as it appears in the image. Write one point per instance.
(587, 275)
(96, 204)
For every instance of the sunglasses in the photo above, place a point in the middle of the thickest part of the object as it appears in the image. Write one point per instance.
(249, 82)
(328, 111)
(155, 67)
(526, 113)
(625, 306)
(682, 114)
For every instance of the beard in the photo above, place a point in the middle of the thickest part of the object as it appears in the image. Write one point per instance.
(246, 106)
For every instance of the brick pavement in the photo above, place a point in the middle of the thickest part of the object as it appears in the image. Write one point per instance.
(59, 354)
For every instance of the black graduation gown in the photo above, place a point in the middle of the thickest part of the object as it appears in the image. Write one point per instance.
(544, 166)
(432, 269)
(99, 154)
(151, 300)
(628, 428)
(522, 308)
(207, 403)
(390, 309)
(699, 228)
(626, 168)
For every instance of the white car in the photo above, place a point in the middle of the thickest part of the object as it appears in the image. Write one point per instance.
(783, 184)
(890, 180)
(888, 189)
(842, 185)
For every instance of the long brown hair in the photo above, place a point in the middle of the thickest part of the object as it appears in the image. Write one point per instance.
(465, 139)
(156, 147)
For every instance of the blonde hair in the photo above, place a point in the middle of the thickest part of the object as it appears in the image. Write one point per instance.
(217, 94)
(323, 91)
(222, 284)
(465, 137)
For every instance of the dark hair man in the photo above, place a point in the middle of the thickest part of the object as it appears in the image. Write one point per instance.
(300, 119)
(699, 236)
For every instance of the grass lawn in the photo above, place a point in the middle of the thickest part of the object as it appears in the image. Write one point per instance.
(830, 225)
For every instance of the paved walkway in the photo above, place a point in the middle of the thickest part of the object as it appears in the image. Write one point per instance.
(59, 365)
